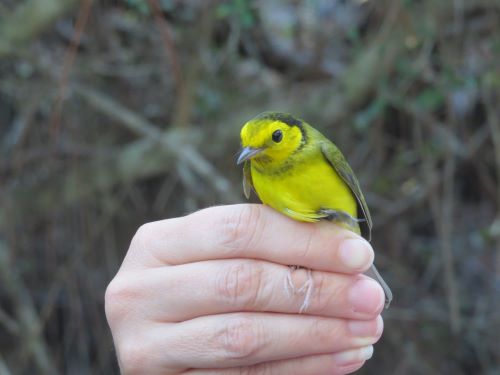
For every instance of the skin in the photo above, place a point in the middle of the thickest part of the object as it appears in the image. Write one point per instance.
(203, 294)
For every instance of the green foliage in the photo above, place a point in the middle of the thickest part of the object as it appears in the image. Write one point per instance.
(139, 6)
(240, 10)
(429, 100)
(142, 6)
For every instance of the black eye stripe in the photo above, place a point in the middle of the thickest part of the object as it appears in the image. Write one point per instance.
(277, 136)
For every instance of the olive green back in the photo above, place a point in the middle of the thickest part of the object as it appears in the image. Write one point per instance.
(339, 163)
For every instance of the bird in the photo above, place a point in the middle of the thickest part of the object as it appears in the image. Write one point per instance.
(297, 171)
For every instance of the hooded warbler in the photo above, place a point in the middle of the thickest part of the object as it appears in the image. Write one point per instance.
(297, 171)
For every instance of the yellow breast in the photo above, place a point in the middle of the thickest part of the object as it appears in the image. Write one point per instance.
(304, 189)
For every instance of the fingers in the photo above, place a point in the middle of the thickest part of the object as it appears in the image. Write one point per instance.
(213, 287)
(246, 339)
(213, 296)
(334, 364)
(249, 231)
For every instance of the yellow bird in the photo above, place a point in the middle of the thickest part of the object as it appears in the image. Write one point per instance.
(297, 171)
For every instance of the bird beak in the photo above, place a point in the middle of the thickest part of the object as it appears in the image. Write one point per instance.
(248, 153)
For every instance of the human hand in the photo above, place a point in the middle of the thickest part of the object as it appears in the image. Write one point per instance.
(204, 294)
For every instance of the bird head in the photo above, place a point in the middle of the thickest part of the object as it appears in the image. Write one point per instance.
(271, 137)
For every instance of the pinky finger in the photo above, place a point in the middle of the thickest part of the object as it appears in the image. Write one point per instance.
(333, 364)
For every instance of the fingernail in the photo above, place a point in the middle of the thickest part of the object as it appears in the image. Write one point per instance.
(356, 254)
(366, 296)
(366, 328)
(353, 356)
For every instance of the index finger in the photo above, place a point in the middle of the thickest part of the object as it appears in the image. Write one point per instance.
(250, 231)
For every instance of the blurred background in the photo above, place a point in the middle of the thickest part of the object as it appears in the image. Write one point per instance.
(114, 113)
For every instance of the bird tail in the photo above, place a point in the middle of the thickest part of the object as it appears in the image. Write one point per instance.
(373, 273)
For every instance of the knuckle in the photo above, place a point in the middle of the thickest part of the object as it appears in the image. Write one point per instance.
(151, 242)
(240, 338)
(150, 234)
(142, 232)
(238, 229)
(134, 357)
(117, 299)
(240, 284)
(142, 237)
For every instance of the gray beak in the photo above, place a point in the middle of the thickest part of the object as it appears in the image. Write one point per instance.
(248, 153)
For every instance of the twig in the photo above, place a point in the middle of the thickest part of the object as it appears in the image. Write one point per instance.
(27, 316)
(4, 370)
(390, 211)
(136, 160)
(186, 97)
(16, 133)
(169, 44)
(36, 155)
(441, 210)
(146, 157)
(9, 323)
(494, 125)
(181, 150)
(445, 224)
(69, 59)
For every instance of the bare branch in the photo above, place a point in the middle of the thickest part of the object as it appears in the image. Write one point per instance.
(180, 150)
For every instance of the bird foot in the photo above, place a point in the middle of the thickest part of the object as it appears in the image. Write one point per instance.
(306, 289)
(341, 216)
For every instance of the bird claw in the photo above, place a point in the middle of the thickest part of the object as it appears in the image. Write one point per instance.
(306, 289)
(341, 216)
(289, 287)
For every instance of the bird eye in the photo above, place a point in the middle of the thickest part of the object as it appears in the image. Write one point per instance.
(277, 136)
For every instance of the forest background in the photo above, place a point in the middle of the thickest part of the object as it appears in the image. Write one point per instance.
(115, 113)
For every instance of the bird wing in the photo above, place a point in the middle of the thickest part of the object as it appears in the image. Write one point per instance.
(247, 179)
(333, 155)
